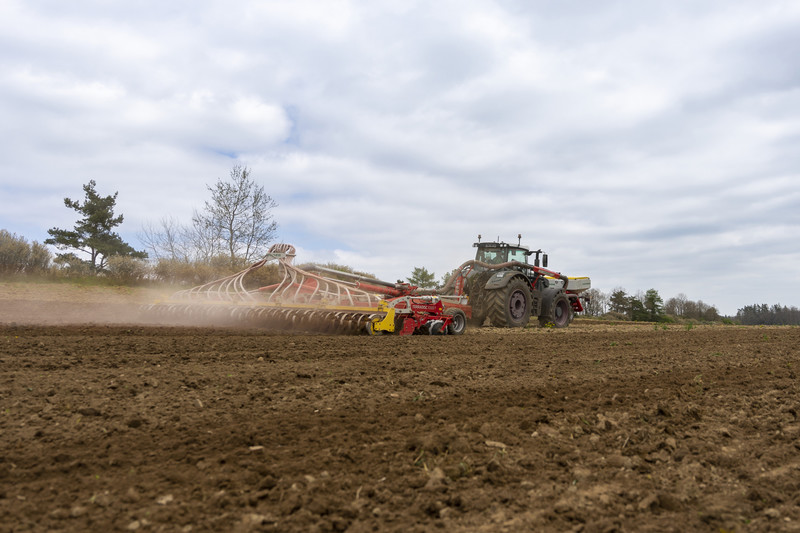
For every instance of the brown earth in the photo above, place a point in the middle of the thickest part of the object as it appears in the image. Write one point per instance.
(593, 428)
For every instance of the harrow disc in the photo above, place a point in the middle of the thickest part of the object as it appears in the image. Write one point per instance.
(273, 318)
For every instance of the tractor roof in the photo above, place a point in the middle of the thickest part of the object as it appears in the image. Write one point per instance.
(500, 245)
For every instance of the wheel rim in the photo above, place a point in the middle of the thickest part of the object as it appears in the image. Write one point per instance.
(516, 305)
(370, 327)
(561, 312)
(458, 323)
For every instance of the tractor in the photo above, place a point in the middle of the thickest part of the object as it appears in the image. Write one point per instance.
(507, 289)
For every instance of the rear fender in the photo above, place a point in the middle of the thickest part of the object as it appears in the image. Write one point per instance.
(503, 278)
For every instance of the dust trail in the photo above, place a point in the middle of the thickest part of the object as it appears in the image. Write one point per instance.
(62, 303)
(42, 312)
(57, 304)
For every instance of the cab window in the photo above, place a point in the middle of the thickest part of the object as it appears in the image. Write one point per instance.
(517, 255)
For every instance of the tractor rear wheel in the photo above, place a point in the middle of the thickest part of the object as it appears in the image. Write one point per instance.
(510, 306)
(560, 313)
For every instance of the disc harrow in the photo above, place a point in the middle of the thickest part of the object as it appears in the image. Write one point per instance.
(313, 299)
(278, 318)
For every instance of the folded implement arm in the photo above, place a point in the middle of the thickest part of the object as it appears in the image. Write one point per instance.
(309, 299)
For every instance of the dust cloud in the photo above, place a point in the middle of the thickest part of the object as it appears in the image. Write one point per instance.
(27, 312)
(61, 304)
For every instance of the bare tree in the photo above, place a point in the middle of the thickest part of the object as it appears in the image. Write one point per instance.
(676, 305)
(238, 218)
(168, 240)
(597, 302)
(204, 237)
(236, 223)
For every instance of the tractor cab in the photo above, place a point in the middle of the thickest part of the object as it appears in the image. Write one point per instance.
(496, 253)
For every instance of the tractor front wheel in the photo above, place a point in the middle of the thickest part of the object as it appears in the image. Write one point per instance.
(559, 315)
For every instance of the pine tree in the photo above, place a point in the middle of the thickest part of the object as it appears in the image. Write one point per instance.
(93, 233)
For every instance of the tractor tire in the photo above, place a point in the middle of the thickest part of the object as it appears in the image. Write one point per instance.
(510, 306)
(559, 313)
(474, 288)
(459, 322)
(478, 318)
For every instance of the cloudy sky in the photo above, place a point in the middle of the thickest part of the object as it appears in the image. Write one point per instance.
(645, 144)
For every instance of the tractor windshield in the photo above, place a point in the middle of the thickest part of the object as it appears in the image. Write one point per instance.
(501, 254)
(493, 256)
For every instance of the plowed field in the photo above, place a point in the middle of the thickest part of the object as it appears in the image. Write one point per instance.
(594, 428)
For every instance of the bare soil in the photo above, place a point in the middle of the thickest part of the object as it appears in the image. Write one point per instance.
(129, 426)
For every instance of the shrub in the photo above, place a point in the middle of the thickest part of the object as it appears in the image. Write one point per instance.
(38, 259)
(613, 315)
(14, 253)
(191, 273)
(127, 270)
(18, 257)
(70, 265)
(266, 275)
(173, 271)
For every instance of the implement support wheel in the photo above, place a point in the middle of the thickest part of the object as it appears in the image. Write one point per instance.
(459, 322)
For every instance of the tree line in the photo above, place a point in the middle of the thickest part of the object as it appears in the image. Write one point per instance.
(647, 306)
(774, 315)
